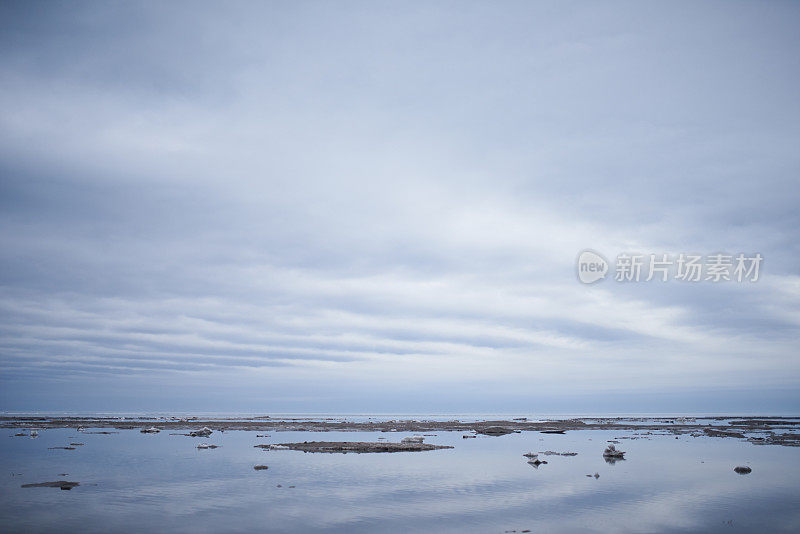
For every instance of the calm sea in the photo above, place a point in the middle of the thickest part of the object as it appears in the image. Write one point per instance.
(131, 481)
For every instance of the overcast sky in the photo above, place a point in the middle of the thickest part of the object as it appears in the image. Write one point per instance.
(377, 206)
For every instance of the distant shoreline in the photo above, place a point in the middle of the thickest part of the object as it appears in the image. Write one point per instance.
(779, 430)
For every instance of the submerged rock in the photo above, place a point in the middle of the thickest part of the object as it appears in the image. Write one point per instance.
(62, 484)
(742, 469)
(260, 467)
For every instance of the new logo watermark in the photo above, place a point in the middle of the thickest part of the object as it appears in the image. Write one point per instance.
(717, 267)
(591, 266)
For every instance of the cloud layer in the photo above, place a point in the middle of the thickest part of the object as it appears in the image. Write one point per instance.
(362, 207)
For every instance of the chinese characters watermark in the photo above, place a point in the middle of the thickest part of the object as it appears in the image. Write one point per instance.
(718, 267)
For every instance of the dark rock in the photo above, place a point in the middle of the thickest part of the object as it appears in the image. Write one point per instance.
(494, 431)
(260, 467)
(722, 434)
(742, 470)
(63, 484)
(355, 446)
(612, 452)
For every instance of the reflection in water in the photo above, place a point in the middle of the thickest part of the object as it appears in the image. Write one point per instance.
(132, 481)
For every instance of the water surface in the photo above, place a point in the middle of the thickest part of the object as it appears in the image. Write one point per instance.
(132, 482)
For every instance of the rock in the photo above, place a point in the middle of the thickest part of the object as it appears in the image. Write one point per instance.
(63, 484)
(204, 433)
(207, 446)
(612, 452)
(552, 431)
(494, 431)
(530, 455)
(356, 446)
(552, 453)
(77, 444)
(714, 433)
(742, 469)
(415, 439)
(64, 448)
(467, 436)
(537, 462)
(260, 467)
(151, 430)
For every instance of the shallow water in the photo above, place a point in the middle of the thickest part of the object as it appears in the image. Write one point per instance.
(132, 481)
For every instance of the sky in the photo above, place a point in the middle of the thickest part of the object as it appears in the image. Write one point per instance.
(376, 207)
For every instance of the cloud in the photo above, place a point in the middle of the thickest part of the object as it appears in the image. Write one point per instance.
(335, 202)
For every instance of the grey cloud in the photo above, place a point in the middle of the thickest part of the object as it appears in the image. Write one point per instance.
(339, 200)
